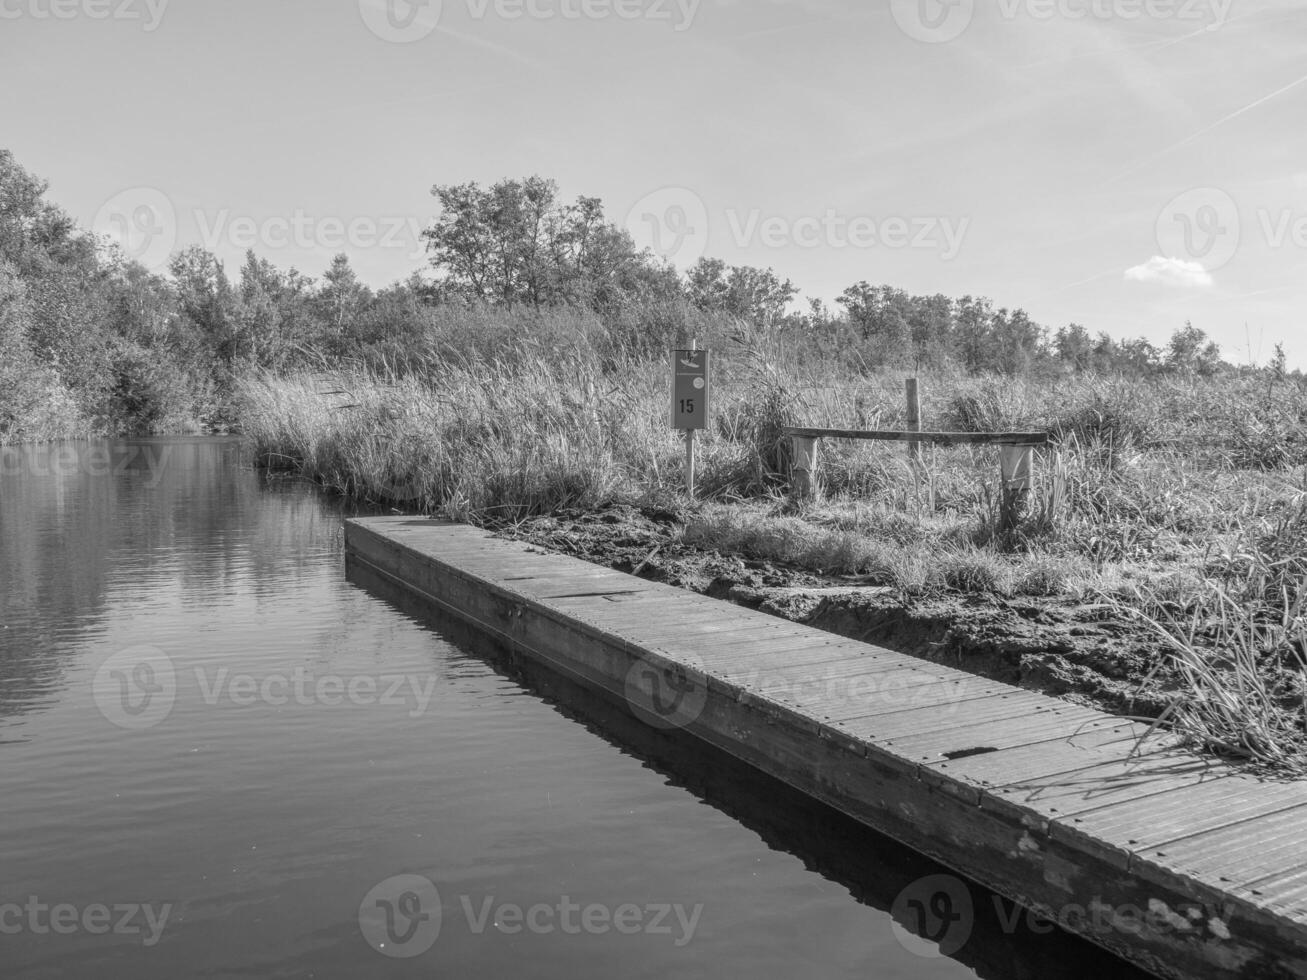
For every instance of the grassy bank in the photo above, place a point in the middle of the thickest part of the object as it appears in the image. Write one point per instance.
(1178, 507)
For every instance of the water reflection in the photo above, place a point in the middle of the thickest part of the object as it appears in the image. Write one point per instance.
(877, 871)
(86, 527)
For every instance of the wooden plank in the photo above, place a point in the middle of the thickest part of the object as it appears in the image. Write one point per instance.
(850, 705)
(1115, 768)
(1225, 797)
(979, 702)
(662, 600)
(531, 577)
(759, 646)
(837, 678)
(1243, 851)
(974, 699)
(647, 620)
(826, 649)
(939, 438)
(641, 610)
(791, 674)
(704, 632)
(1024, 728)
(921, 710)
(1108, 741)
(840, 672)
(1134, 817)
(754, 647)
(567, 586)
(1284, 890)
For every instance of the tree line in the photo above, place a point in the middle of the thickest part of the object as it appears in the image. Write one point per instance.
(91, 341)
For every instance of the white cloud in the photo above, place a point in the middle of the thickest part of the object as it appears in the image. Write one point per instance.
(1171, 272)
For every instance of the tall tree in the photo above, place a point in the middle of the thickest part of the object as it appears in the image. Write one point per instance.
(1189, 351)
(208, 303)
(753, 294)
(516, 243)
(880, 314)
(1075, 347)
(342, 298)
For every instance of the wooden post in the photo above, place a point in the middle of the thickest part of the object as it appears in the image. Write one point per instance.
(805, 468)
(1017, 469)
(690, 449)
(914, 421)
(689, 462)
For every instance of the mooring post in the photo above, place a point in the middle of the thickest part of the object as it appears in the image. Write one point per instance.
(1017, 465)
(805, 467)
(914, 420)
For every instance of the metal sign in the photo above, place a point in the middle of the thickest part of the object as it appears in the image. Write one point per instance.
(690, 389)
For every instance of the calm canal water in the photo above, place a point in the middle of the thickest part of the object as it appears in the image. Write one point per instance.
(219, 757)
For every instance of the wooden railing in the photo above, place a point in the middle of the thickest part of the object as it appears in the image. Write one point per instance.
(940, 438)
(1016, 457)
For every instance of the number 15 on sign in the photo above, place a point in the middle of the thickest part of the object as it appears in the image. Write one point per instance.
(689, 390)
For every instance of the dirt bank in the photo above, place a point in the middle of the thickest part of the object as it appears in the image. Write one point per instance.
(1057, 647)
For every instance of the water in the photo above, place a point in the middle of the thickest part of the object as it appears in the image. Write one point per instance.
(220, 758)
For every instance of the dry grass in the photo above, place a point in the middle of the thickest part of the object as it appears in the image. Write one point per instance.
(1203, 541)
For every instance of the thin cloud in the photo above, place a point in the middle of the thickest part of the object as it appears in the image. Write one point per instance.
(1171, 272)
(1082, 282)
(1208, 129)
(1154, 45)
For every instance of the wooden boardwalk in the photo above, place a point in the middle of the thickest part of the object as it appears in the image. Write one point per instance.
(1176, 862)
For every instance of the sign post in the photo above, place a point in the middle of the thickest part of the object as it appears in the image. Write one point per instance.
(690, 393)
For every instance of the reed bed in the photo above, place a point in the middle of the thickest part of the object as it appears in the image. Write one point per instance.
(1180, 505)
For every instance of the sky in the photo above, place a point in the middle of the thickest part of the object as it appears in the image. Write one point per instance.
(1128, 165)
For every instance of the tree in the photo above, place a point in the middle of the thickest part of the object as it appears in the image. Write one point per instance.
(974, 325)
(880, 315)
(931, 320)
(342, 298)
(22, 207)
(515, 243)
(396, 318)
(1138, 356)
(208, 303)
(143, 305)
(1075, 347)
(1279, 366)
(495, 244)
(26, 385)
(752, 294)
(1190, 352)
(1018, 342)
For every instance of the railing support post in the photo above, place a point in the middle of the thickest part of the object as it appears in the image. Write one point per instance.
(805, 484)
(1017, 465)
(914, 422)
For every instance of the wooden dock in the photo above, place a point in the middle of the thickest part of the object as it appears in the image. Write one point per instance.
(1176, 862)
